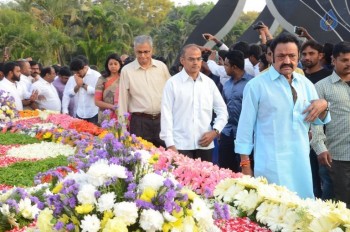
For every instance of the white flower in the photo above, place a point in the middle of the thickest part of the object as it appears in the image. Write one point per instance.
(117, 171)
(41, 150)
(86, 195)
(127, 212)
(203, 215)
(168, 217)
(101, 171)
(248, 201)
(145, 155)
(5, 209)
(90, 223)
(106, 201)
(80, 177)
(26, 209)
(151, 180)
(151, 220)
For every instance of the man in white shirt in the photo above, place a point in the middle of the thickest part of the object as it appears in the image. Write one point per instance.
(82, 88)
(188, 101)
(10, 84)
(26, 79)
(49, 97)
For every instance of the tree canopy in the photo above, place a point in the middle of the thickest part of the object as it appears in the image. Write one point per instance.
(52, 31)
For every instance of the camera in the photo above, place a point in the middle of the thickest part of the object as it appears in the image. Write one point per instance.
(206, 37)
(258, 25)
(297, 30)
(205, 55)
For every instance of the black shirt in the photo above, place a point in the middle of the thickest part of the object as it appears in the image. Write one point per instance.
(319, 75)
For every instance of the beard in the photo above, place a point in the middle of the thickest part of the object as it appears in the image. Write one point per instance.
(308, 64)
(16, 78)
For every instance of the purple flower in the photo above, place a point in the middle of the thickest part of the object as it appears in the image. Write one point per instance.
(59, 225)
(70, 227)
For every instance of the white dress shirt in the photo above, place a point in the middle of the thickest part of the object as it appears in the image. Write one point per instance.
(84, 99)
(16, 90)
(187, 108)
(48, 90)
(256, 69)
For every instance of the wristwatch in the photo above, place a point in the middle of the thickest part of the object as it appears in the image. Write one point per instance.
(84, 85)
(216, 131)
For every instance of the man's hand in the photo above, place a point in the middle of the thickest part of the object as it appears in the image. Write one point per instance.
(78, 80)
(315, 109)
(305, 33)
(34, 95)
(173, 148)
(247, 170)
(212, 55)
(325, 158)
(207, 138)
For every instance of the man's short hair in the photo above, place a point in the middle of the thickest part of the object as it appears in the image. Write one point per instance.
(77, 65)
(243, 47)
(64, 71)
(187, 46)
(9, 66)
(236, 57)
(255, 50)
(46, 70)
(141, 39)
(341, 47)
(284, 38)
(312, 44)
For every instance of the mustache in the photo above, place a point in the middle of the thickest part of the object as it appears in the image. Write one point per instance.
(287, 65)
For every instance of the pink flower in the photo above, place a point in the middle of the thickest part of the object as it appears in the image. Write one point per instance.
(239, 225)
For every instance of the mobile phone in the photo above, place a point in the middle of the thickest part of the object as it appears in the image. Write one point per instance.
(6, 51)
(206, 37)
(297, 30)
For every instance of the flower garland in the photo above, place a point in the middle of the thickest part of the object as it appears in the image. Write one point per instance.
(7, 109)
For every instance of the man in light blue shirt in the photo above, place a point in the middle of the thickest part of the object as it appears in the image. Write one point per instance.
(188, 101)
(278, 107)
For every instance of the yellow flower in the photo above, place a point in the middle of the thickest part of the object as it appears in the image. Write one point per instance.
(148, 194)
(178, 214)
(189, 212)
(58, 188)
(84, 209)
(64, 218)
(191, 195)
(103, 134)
(166, 227)
(47, 135)
(106, 216)
(115, 225)
(88, 148)
(44, 220)
(154, 158)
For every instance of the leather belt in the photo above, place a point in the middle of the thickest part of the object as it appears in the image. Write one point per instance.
(149, 116)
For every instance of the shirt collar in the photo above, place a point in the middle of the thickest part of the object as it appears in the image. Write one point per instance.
(274, 74)
(138, 66)
(185, 76)
(9, 82)
(335, 77)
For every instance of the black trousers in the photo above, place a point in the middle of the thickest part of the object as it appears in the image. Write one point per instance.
(146, 128)
(205, 155)
(227, 156)
(340, 174)
(93, 120)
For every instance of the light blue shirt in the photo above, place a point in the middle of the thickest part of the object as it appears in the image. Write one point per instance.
(274, 126)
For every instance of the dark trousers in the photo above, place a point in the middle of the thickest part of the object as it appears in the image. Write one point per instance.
(316, 181)
(147, 128)
(93, 120)
(205, 155)
(340, 174)
(227, 156)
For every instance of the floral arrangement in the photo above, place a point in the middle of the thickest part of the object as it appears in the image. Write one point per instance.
(200, 176)
(7, 109)
(116, 189)
(40, 150)
(280, 209)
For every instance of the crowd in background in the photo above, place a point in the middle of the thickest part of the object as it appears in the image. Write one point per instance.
(258, 106)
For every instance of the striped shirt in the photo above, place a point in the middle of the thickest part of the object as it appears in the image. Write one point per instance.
(336, 138)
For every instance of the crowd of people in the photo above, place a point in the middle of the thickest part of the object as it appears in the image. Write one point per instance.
(260, 105)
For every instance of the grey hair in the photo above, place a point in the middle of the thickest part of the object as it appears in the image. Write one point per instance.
(141, 39)
(187, 46)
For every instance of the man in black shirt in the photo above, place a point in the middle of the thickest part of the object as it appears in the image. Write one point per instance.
(311, 56)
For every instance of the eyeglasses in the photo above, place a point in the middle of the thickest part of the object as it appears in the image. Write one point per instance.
(192, 59)
(143, 52)
(290, 56)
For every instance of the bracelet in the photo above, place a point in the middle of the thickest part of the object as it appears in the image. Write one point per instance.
(217, 132)
(245, 163)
